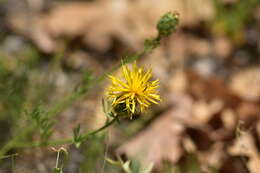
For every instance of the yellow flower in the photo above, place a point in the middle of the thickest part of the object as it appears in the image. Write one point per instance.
(135, 91)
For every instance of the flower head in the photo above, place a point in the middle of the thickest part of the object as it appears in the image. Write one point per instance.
(135, 91)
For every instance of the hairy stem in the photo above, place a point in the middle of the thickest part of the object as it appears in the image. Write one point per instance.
(85, 136)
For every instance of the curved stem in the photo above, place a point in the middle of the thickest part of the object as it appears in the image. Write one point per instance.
(86, 135)
(68, 140)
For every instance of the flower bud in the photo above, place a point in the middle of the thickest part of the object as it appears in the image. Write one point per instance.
(167, 24)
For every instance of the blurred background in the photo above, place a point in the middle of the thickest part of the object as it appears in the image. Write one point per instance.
(209, 71)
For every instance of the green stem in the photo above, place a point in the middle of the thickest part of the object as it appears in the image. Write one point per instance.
(8, 156)
(86, 135)
(12, 143)
(66, 141)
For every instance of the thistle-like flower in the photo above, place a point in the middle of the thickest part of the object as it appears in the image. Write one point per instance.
(135, 91)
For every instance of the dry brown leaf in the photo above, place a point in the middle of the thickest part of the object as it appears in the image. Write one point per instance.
(201, 137)
(98, 24)
(213, 157)
(258, 132)
(228, 117)
(211, 88)
(248, 113)
(246, 84)
(203, 111)
(177, 83)
(199, 47)
(162, 139)
(233, 164)
(244, 145)
(222, 47)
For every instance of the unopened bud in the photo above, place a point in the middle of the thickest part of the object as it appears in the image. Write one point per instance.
(167, 24)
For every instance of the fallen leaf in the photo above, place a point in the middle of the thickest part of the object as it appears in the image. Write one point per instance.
(246, 84)
(244, 146)
(162, 139)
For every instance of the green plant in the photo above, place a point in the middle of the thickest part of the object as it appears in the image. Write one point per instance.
(30, 114)
(232, 19)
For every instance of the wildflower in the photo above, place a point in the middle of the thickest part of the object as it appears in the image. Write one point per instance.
(135, 92)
